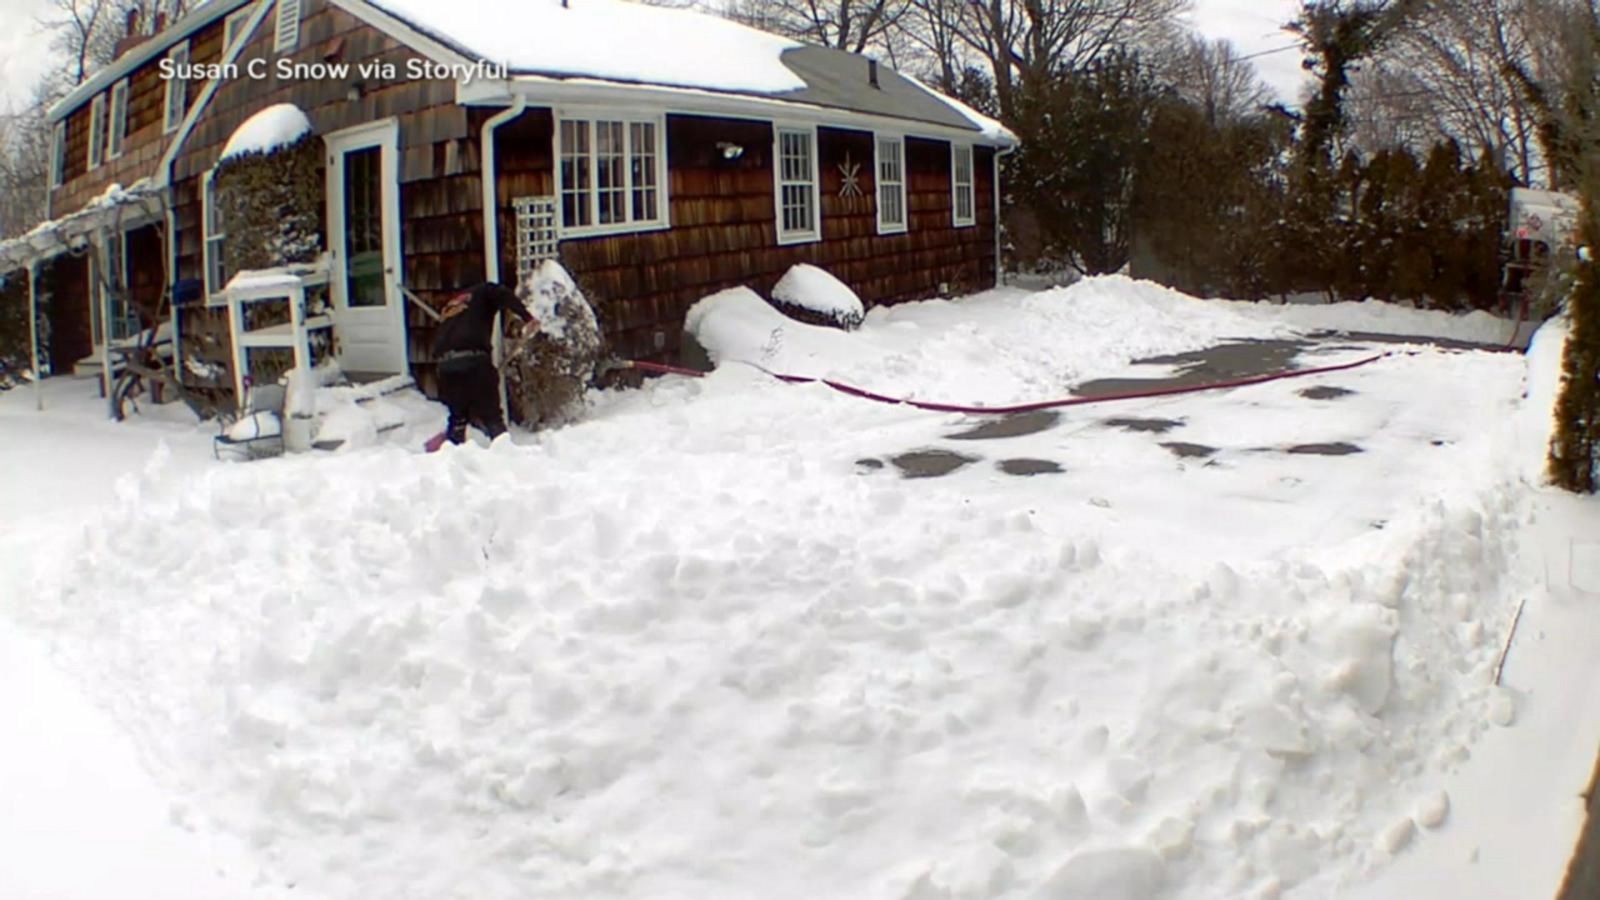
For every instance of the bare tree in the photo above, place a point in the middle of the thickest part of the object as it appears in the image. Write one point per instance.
(1211, 75)
(1023, 41)
(1472, 71)
(853, 25)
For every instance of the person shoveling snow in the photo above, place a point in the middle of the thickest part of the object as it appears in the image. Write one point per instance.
(547, 367)
(468, 382)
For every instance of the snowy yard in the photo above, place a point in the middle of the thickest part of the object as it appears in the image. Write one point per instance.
(709, 643)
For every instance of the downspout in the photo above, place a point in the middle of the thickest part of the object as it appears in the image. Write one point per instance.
(491, 219)
(491, 184)
(33, 332)
(999, 269)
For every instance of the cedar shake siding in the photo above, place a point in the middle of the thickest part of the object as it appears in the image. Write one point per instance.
(144, 142)
(723, 230)
(441, 220)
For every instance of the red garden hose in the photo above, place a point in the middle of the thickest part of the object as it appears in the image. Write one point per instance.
(1021, 407)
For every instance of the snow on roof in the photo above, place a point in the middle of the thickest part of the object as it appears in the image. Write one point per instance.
(991, 128)
(611, 39)
(276, 126)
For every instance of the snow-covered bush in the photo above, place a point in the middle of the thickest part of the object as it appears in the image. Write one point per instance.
(808, 294)
(548, 373)
(269, 191)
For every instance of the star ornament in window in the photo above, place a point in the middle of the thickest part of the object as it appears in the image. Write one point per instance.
(850, 178)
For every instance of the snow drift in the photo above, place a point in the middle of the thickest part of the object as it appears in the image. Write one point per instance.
(687, 649)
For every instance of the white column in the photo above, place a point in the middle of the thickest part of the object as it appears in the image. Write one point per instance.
(33, 332)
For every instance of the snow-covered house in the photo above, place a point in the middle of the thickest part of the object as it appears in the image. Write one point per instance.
(659, 154)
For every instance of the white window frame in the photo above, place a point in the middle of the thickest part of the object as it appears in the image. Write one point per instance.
(956, 186)
(175, 105)
(97, 131)
(286, 27)
(118, 131)
(590, 116)
(58, 155)
(881, 185)
(232, 24)
(213, 292)
(796, 236)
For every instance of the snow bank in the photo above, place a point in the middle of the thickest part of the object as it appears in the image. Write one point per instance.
(1001, 346)
(610, 39)
(690, 647)
(1378, 317)
(807, 287)
(276, 126)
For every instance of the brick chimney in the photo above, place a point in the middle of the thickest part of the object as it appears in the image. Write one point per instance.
(131, 37)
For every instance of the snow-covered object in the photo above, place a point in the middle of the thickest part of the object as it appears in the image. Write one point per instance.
(275, 126)
(256, 425)
(547, 377)
(653, 655)
(815, 290)
(609, 39)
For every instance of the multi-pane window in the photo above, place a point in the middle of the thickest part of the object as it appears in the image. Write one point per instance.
(177, 96)
(891, 185)
(964, 206)
(215, 234)
(58, 157)
(119, 119)
(610, 174)
(797, 185)
(97, 130)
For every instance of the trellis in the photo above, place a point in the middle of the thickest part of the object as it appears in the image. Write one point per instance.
(537, 237)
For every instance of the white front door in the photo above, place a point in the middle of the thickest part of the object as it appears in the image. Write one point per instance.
(364, 237)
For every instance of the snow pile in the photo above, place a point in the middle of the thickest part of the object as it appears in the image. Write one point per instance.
(278, 125)
(812, 290)
(1378, 317)
(690, 647)
(1001, 346)
(610, 39)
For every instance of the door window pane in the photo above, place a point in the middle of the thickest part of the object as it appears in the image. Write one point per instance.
(363, 227)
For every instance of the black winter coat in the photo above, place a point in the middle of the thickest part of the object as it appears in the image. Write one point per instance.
(468, 324)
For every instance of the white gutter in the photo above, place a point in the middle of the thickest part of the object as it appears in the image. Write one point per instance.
(491, 213)
(695, 101)
(491, 222)
(33, 332)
